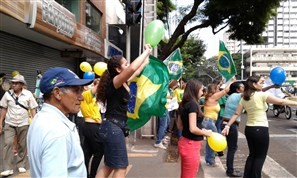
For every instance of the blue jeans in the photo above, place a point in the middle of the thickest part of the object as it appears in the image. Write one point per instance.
(115, 150)
(219, 123)
(209, 124)
(163, 123)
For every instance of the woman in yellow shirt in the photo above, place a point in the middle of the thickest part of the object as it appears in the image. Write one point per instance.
(211, 110)
(92, 145)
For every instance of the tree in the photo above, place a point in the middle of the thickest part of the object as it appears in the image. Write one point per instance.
(237, 62)
(163, 9)
(246, 20)
(192, 53)
(207, 70)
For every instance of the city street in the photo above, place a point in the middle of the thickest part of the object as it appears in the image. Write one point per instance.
(282, 154)
(147, 161)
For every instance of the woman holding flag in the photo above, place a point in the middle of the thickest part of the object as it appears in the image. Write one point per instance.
(114, 90)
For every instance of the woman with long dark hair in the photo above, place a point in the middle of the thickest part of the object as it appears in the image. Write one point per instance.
(114, 91)
(234, 97)
(189, 121)
(254, 101)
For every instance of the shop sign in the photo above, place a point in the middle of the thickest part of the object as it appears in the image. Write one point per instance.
(92, 40)
(50, 18)
(59, 17)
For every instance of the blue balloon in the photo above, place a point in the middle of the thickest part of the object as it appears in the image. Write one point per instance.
(278, 75)
(89, 75)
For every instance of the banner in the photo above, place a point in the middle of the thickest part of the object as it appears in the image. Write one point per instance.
(148, 94)
(225, 63)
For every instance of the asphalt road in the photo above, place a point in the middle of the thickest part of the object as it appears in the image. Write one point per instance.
(282, 154)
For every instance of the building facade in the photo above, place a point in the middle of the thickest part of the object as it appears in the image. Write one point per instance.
(261, 61)
(280, 38)
(281, 30)
(38, 34)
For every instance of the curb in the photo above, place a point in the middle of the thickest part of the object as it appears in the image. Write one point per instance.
(213, 172)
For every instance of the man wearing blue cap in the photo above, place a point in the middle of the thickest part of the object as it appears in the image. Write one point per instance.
(53, 142)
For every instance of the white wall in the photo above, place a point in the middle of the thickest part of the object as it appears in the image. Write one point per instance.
(115, 13)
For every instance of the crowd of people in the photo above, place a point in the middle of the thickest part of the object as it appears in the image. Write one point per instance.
(56, 148)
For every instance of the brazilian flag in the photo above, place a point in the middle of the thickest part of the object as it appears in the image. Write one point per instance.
(225, 63)
(148, 94)
(174, 63)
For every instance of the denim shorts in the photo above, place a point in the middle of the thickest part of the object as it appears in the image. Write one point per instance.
(115, 151)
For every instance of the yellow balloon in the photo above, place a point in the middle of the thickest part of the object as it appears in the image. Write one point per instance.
(85, 67)
(217, 142)
(14, 73)
(100, 67)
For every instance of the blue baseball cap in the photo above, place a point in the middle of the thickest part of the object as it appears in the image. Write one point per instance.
(60, 77)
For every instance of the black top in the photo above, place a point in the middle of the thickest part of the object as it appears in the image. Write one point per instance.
(117, 103)
(190, 107)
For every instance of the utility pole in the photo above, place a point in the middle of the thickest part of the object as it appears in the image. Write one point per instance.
(242, 66)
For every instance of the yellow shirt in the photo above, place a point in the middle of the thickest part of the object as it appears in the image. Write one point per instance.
(178, 93)
(256, 109)
(212, 111)
(89, 107)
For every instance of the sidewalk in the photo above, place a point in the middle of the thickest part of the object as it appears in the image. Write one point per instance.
(147, 161)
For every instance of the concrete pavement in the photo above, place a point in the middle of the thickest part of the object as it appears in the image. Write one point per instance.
(147, 161)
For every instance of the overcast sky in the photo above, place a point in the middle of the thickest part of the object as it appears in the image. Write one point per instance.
(211, 41)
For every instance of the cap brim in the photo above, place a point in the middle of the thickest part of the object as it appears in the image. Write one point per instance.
(79, 82)
(18, 81)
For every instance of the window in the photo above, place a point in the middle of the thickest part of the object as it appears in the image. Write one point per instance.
(93, 18)
(72, 6)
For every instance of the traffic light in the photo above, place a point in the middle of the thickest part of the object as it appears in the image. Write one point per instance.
(133, 12)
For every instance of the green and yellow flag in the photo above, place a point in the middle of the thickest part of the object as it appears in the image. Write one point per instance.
(148, 94)
(174, 63)
(225, 63)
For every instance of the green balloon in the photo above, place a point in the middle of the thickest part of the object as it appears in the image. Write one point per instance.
(154, 32)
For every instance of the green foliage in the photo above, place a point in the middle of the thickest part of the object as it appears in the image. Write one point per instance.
(164, 7)
(237, 62)
(192, 52)
(246, 20)
(207, 71)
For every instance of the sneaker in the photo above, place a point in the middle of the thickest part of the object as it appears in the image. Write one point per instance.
(220, 154)
(160, 145)
(165, 141)
(167, 138)
(22, 170)
(212, 164)
(234, 174)
(6, 173)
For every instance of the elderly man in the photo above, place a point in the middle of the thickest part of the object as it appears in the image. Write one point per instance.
(16, 103)
(53, 141)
